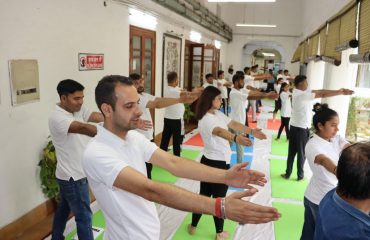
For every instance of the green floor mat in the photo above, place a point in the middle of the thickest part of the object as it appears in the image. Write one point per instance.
(161, 175)
(97, 221)
(289, 226)
(205, 229)
(283, 188)
(279, 148)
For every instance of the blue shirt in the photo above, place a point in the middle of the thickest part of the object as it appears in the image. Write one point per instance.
(338, 220)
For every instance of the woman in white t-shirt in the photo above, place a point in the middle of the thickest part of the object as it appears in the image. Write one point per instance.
(322, 152)
(285, 109)
(213, 126)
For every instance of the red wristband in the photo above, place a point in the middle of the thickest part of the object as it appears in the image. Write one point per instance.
(218, 207)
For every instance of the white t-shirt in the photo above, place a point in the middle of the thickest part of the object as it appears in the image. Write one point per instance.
(128, 215)
(302, 108)
(249, 81)
(286, 104)
(280, 76)
(277, 88)
(238, 104)
(222, 87)
(206, 84)
(322, 181)
(144, 99)
(175, 111)
(215, 148)
(69, 147)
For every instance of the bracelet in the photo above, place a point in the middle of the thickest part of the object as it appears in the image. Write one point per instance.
(235, 137)
(218, 212)
(223, 209)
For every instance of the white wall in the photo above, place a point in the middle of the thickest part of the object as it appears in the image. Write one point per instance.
(54, 32)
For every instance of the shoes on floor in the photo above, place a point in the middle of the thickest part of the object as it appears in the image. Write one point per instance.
(283, 175)
(300, 179)
(277, 139)
(191, 229)
(222, 235)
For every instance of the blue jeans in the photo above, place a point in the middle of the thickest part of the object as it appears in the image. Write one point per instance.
(310, 212)
(74, 196)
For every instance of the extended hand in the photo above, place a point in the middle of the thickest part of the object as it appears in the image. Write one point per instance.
(257, 133)
(240, 177)
(144, 124)
(243, 211)
(188, 97)
(346, 91)
(243, 140)
(272, 95)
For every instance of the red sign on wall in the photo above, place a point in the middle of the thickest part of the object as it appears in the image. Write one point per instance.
(90, 61)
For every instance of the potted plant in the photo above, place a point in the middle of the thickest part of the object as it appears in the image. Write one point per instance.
(48, 165)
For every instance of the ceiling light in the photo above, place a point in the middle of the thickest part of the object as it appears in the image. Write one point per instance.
(255, 25)
(142, 19)
(217, 44)
(195, 36)
(245, 1)
(268, 54)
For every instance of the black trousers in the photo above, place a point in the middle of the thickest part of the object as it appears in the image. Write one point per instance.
(212, 190)
(224, 105)
(172, 127)
(297, 143)
(284, 123)
(149, 167)
(270, 87)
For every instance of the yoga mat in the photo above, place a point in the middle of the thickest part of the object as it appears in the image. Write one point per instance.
(205, 229)
(161, 175)
(279, 148)
(196, 140)
(286, 188)
(273, 125)
(289, 226)
(98, 221)
(246, 149)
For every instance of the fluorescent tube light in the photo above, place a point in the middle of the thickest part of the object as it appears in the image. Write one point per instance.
(142, 19)
(240, 1)
(195, 36)
(268, 54)
(255, 25)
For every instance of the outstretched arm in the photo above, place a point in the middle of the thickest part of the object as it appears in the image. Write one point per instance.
(237, 126)
(331, 93)
(253, 95)
(236, 209)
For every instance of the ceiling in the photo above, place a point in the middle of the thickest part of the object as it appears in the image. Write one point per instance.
(286, 14)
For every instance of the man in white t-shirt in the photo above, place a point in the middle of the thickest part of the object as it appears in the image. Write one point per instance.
(250, 84)
(222, 85)
(68, 125)
(238, 101)
(210, 81)
(173, 115)
(148, 101)
(300, 121)
(114, 165)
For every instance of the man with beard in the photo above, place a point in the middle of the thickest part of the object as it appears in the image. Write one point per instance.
(148, 101)
(114, 165)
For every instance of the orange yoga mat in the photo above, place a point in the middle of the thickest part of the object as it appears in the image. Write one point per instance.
(196, 140)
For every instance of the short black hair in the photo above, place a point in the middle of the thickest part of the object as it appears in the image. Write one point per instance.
(237, 77)
(246, 69)
(280, 71)
(322, 114)
(209, 75)
(219, 73)
(171, 77)
(286, 70)
(298, 79)
(69, 86)
(105, 90)
(134, 76)
(205, 101)
(353, 171)
(230, 70)
(240, 73)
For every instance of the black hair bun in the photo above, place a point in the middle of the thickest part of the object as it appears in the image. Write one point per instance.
(318, 107)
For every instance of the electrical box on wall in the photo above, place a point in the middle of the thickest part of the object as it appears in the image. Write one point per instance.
(24, 81)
